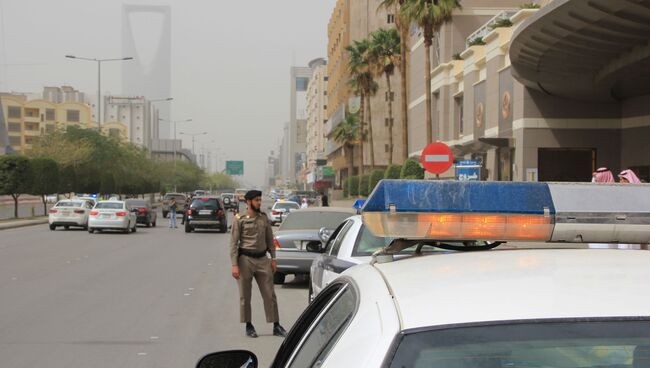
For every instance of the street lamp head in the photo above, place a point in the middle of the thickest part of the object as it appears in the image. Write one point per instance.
(127, 58)
(71, 56)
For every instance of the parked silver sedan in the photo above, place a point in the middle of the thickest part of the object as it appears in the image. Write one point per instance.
(298, 229)
(69, 212)
(112, 215)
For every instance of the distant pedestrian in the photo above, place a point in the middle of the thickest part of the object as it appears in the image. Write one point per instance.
(628, 177)
(250, 247)
(324, 200)
(603, 175)
(304, 203)
(173, 207)
(185, 208)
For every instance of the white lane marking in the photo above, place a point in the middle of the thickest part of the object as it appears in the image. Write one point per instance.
(68, 262)
(142, 354)
(209, 264)
(187, 294)
(154, 338)
(14, 278)
(436, 158)
(190, 289)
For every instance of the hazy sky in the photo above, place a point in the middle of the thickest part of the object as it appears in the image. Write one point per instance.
(230, 60)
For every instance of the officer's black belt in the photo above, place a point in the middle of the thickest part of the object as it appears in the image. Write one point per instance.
(252, 254)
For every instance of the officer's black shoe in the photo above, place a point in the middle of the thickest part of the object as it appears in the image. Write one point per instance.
(279, 331)
(250, 331)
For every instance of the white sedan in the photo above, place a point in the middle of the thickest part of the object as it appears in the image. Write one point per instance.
(280, 210)
(112, 215)
(69, 212)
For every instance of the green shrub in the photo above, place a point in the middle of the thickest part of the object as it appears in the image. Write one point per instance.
(346, 188)
(478, 41)
(456, 56)
(353, 184)
(375, 177)
(530, 6)
(393, 172)
(501, 23)
(364, 184)
(412, 170)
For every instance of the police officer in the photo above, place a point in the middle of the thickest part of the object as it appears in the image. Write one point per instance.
(252, 239)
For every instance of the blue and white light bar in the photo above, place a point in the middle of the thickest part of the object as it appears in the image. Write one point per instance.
(502, 211)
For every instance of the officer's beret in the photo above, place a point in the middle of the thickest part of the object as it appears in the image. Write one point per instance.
(252, 194)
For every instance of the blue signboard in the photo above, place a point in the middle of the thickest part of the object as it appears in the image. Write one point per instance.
(468, 170)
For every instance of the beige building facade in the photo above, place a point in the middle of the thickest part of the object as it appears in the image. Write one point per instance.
(316, 116)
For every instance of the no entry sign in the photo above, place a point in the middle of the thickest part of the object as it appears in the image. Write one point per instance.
(437, 158)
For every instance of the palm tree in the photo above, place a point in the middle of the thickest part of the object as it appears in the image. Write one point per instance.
(430, 16)
(362, 84)
(384, 57)
(347, 135)
(403, 28)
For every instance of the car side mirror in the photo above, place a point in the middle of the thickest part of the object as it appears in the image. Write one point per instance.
(324, 234)
(229, 359)
(315, 247)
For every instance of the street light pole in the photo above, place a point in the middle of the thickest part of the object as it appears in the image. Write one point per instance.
(193, 135)
(99, 82)
(174, 143)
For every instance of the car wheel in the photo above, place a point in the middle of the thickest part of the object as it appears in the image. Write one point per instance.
(91, 230)
(153, 224)
(165, 214)
(52, 227)
(135, 228)
(127, 230)
(278, 278)
(148, 224)
(66, 227)
(188, 228)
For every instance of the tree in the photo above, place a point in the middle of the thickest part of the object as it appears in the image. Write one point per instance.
(364, 185)
(354, 186)
(220, 181)
(393, 172)
(15, 177)
(403, 28)
(412, 170)
(430, 16)
(384, 56)
(375, 177)
(347, 135)
(45, 179)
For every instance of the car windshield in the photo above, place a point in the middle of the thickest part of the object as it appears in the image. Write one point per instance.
(368, 243)
(208, 203)
(310, 220)
(564, 344)
(178, 197)
(286, 206)
(110, 206)
(137, 203)
(69, 204)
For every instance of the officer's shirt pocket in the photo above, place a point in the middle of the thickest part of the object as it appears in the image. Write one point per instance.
(249, 228)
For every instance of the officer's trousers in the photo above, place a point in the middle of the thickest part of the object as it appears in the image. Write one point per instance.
(260, 269)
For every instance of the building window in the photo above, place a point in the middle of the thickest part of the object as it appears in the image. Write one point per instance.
(14, 112)
(29, 140)
(390, 18)
(15, 127)
(49, 115)
(326, 78)
(392, 96)
(72, 116)
(386, 148)
(15, 141)
(114, 133)
(50, 128)
(302, 84)
(387, 121)
(31, 113)
(32, 127)
(459, 107)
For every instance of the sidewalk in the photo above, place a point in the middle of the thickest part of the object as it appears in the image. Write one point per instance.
(347, 203)
(16, 223)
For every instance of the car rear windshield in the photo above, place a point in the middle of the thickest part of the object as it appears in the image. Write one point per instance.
(110, 206)
(561, 344)
(208, 203)
(138, 203)
(178, 197)
(69, 204)
(313, 220)
(286, 206)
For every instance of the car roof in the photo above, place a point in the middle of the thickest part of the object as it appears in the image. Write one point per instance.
(111, 201)
(501, 285)
(351, 211)
(292, 202)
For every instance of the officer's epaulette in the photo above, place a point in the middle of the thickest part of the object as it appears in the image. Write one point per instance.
(238, 216)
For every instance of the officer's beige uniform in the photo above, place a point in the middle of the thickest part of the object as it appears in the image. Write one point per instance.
(253, 236)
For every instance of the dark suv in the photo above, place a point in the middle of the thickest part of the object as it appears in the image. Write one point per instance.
(206, 213)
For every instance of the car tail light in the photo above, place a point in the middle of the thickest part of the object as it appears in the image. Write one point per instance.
(142, 210)
(94, 213)
(79, 211)
(274, 212)
(120, 214)
(220, 213)
(53, 211)
(276, 243)
(189, 212)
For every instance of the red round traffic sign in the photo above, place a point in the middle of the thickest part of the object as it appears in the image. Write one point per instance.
(437, 158)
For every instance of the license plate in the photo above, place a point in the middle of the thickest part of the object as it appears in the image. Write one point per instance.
(205, 212)
(106, 215)
(65, 213)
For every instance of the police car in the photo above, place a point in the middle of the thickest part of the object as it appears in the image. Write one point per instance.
(494, 308)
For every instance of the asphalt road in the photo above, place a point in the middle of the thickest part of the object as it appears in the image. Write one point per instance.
(156, 298)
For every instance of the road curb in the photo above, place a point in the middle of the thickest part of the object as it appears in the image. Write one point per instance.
(23, 223)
